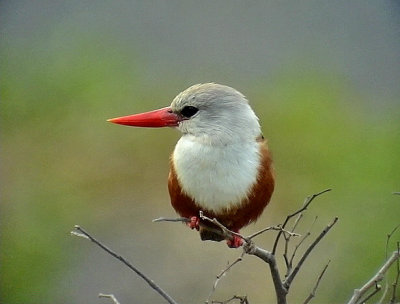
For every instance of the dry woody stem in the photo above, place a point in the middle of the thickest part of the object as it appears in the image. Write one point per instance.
(281, 286)
(82, 233)
(373, 282)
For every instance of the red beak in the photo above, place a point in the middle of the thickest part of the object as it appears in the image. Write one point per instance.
(154, 119)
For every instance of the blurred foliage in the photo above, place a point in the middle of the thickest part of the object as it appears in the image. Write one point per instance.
(64, 165)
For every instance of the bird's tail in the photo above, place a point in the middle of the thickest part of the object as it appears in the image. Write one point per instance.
(211, 234)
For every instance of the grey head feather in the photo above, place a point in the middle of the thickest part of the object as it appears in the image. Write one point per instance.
(224, 114)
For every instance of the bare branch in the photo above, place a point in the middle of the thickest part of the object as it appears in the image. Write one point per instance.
(377, 289)
(396, 280)
(274, 228)
(78, 234)
(269, 258)
(314, 290)
(388, 239)
(297, 221)
(294, 272)
(386, 289)
(306, 203)
(226, 233)
(166, 219)
(242, 300)
(152, 284)
(281, 287)
(384, 293)
(110, 296)
(298, 246)
(358, 293)
(221, 275)
(287, 240)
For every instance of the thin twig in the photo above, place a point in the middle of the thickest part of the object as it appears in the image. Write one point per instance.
(110, 296)
(396, 280)
(388, 239)
(358, 293)
(167, 219)
(306, 203)
(288, 237)
(226, 233)
(78, 234)
(221, 275)
(384, 293)
(297, 221)
(386, 289)
(152, 284)
(298, 246)
(376, 290)
(287, 241)
(294, 272)
(242, 300)
(395, 284)
(274, 228)
(314, 290)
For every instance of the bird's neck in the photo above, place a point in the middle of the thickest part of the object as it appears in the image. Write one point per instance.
(216, 176)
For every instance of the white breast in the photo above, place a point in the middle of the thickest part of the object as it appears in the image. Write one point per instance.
(216, 176)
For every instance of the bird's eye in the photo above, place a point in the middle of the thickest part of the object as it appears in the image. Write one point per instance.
(189, 111)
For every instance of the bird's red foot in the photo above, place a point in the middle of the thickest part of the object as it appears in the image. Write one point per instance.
(194, 223)
(235, 242)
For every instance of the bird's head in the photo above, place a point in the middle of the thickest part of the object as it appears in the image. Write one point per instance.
(211, 113)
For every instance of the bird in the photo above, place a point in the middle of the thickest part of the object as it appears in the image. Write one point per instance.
(221, 165)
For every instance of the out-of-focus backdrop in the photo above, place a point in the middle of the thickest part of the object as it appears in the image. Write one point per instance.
(323, 76)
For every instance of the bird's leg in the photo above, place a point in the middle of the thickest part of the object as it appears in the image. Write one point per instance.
(236, 241)
(194, 223)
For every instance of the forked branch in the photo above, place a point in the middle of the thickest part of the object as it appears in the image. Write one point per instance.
(306, 203)
(249, 247)
(373, 282)
(295, 270)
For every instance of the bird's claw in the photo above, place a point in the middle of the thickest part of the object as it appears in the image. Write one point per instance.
(194, 223)
(235, 242)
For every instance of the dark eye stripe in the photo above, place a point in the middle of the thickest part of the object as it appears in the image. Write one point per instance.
(189, 111)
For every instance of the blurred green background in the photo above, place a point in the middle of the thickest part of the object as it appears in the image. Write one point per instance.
(323, 78)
